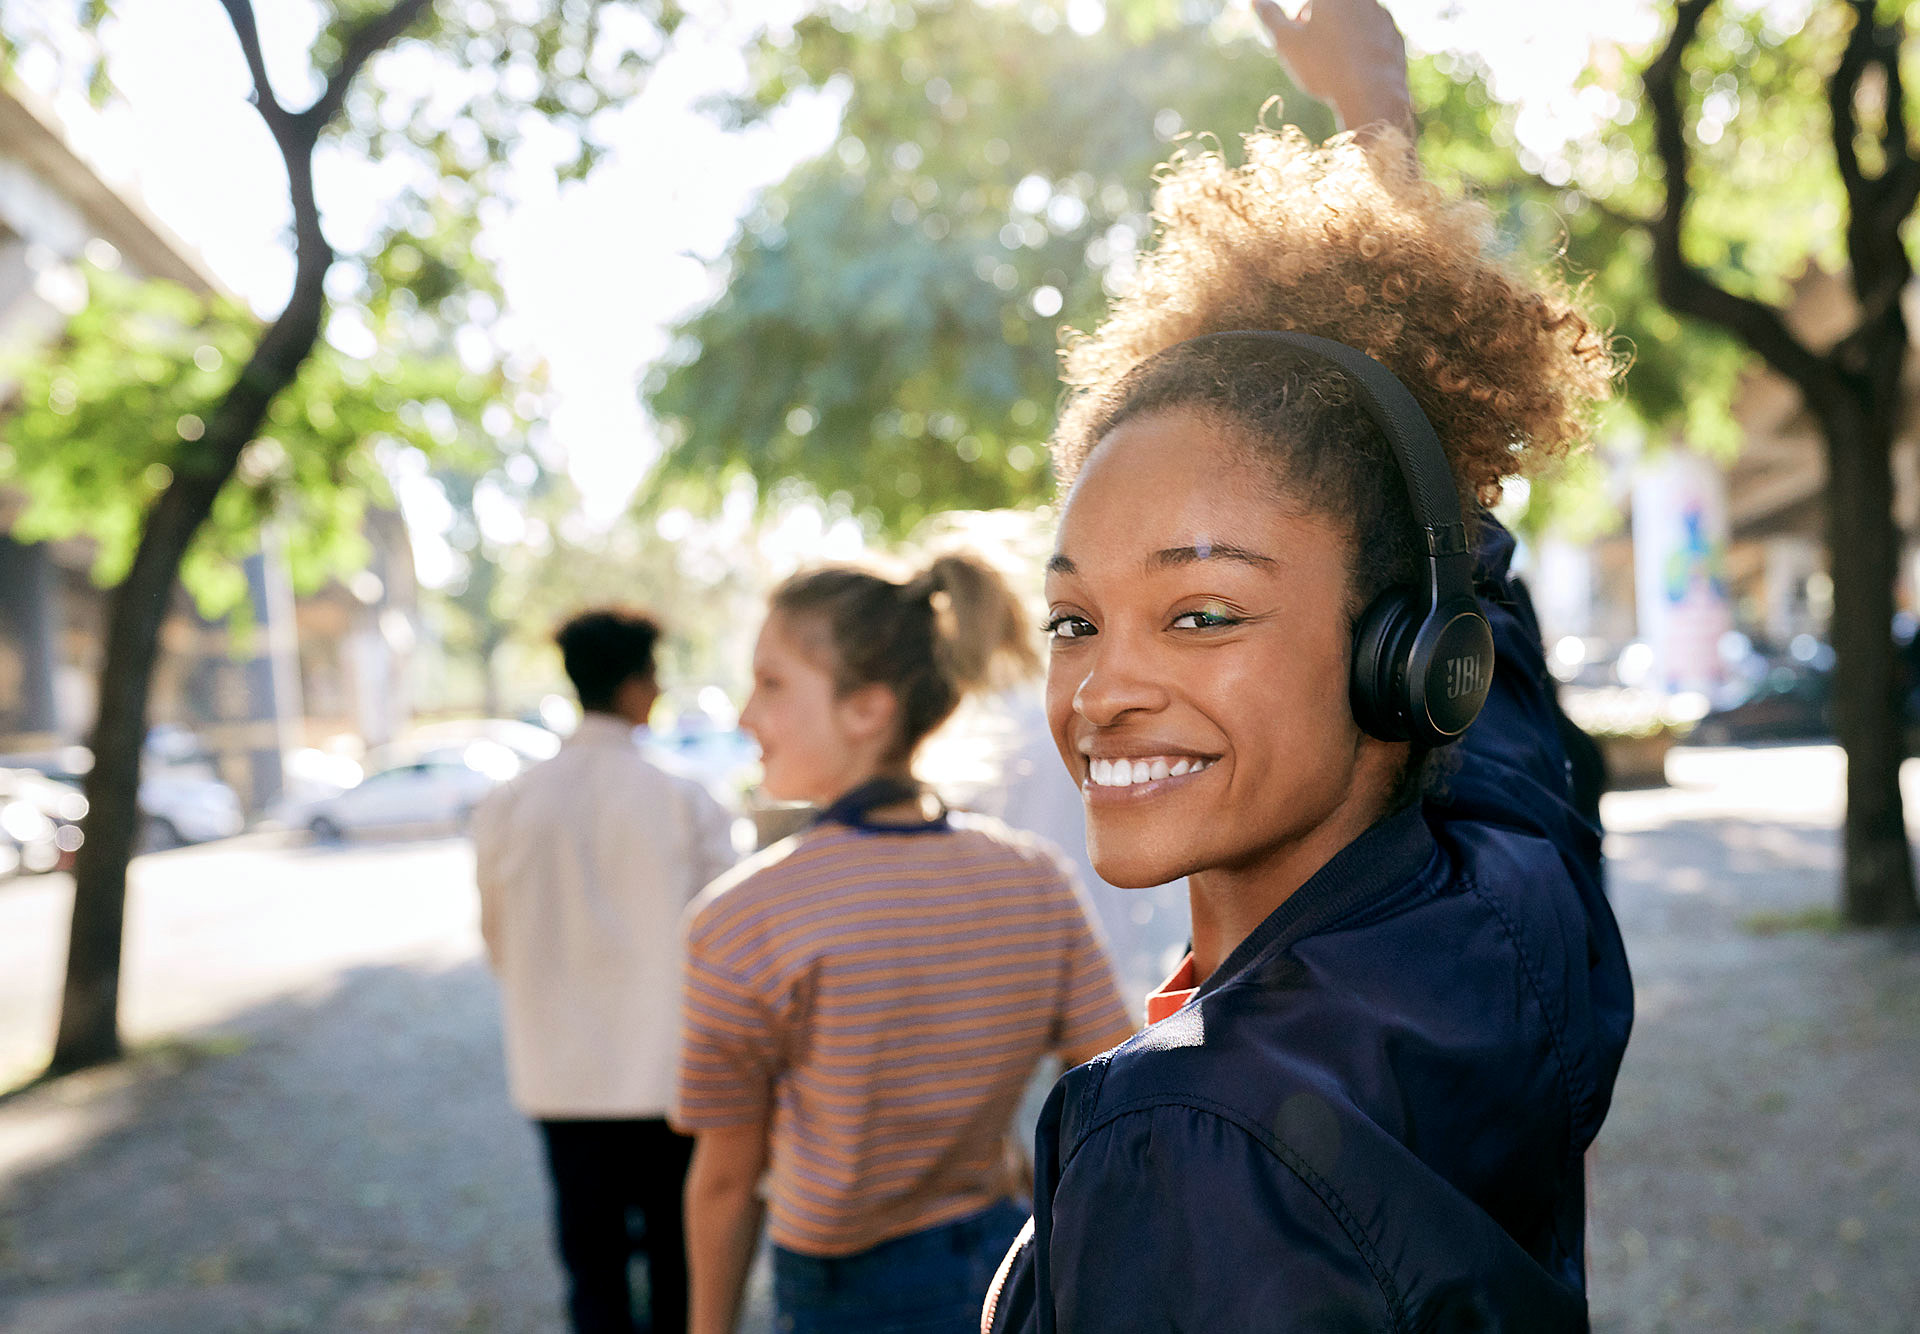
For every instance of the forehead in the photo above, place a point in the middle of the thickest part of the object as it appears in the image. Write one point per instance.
(1175, 478)
(795, 642)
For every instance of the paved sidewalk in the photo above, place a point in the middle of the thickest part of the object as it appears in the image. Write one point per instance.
(1760, 1170)
(335, 1152)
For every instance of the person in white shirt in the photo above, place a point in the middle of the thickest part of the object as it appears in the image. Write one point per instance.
(585, 863)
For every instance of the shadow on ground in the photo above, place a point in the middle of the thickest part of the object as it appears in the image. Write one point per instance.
(1760, 1170)
(347, 1162)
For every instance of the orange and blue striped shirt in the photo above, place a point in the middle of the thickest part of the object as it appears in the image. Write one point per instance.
(880, 1000)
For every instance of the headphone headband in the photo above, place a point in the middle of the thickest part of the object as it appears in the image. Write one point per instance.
(1423, 463)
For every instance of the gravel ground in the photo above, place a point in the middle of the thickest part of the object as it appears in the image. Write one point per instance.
(1760, 1170)
(341, 1157)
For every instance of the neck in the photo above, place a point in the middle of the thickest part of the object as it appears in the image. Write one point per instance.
(1229, 902)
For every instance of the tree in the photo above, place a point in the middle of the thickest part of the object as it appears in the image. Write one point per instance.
(1711, 181)
(282, 413)
(887, 329)
(1852, 390)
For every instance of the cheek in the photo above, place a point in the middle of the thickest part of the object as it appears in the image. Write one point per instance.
(1062, 681)
(1291, 701)
(1306, 697)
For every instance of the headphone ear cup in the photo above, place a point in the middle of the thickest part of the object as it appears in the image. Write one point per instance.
(1449, 669)
(1378, 687)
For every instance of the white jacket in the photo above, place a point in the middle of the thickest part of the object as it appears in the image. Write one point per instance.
(585, 864)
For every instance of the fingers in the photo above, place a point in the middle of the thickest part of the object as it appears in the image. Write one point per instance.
(1276, 21)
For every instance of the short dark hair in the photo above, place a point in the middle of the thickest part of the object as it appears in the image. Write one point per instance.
(603, 649)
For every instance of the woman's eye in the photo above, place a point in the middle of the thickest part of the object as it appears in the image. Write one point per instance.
(1067, 627)
(1203, 620)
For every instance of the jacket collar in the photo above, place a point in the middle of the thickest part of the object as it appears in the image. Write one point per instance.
(1383, 858)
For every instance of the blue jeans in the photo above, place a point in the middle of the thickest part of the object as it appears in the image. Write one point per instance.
(931, 1282)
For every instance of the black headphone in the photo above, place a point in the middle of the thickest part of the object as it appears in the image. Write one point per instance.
(1422, 657)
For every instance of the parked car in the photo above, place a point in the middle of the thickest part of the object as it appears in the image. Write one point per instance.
(27, 839)
(1793, 701)
(307, 778)
(39, 822)
(531, 744)
(440, 788)
(180, 805)
(182, 799)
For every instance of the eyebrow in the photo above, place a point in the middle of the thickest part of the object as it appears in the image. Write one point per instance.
(1171, 557)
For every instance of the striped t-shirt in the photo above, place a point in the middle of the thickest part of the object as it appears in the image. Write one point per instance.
(881, 999)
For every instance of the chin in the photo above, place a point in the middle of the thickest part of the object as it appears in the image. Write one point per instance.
(1129, 863)
(775, 785)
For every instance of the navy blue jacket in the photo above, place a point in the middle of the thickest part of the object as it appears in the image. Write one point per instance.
(1372, 1115)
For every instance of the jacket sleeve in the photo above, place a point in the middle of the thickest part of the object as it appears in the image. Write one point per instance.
(1511, 766)
(1213, 1233)
(1512, 773)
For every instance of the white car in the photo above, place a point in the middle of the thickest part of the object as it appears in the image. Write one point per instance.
(440, 788)
(532, 744)
(180, 805)
(182, 799)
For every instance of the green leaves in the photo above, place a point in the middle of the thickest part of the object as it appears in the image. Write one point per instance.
(108, 414)
(116, 407)
(889, 324)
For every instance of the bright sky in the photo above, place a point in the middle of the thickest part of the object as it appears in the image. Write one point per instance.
(596, 273)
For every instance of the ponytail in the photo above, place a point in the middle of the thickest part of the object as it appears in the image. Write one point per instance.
(955, 628)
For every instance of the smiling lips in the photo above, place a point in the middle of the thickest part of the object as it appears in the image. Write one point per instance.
(1146, 769)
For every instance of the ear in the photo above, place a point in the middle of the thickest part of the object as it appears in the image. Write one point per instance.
(635, 697)
(869, 712)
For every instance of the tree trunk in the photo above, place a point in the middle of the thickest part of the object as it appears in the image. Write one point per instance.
(1863, 545)
(89, 1031)
(89, 1013)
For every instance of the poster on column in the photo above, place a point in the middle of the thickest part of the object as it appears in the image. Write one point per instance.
(1680, 568)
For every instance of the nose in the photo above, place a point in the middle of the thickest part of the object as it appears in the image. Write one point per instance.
(1118, 680)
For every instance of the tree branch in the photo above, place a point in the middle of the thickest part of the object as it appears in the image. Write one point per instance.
(1682, 286)
(1843, 89)
(1901, 192)
(1876, 205)
(365, 42)
(1615, 214)
(240, 15)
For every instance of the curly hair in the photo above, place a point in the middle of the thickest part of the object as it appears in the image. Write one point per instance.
(1348, 242)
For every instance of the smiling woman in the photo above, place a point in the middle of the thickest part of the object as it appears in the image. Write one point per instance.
(1200, 629)
(1273, 601)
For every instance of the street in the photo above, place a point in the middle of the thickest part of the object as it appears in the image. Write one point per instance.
(313, 1132)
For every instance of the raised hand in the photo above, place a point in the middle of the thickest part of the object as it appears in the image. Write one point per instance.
(1349, 54)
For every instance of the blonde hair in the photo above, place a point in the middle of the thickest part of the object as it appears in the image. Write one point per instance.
(1348, 242)
(954, 628)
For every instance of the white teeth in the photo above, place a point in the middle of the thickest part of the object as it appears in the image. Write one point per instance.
(1127, 773)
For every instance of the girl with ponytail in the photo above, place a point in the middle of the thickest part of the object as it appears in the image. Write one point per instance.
(867, 1000)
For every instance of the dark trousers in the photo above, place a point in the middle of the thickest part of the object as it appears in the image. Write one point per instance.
(610, 1177)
